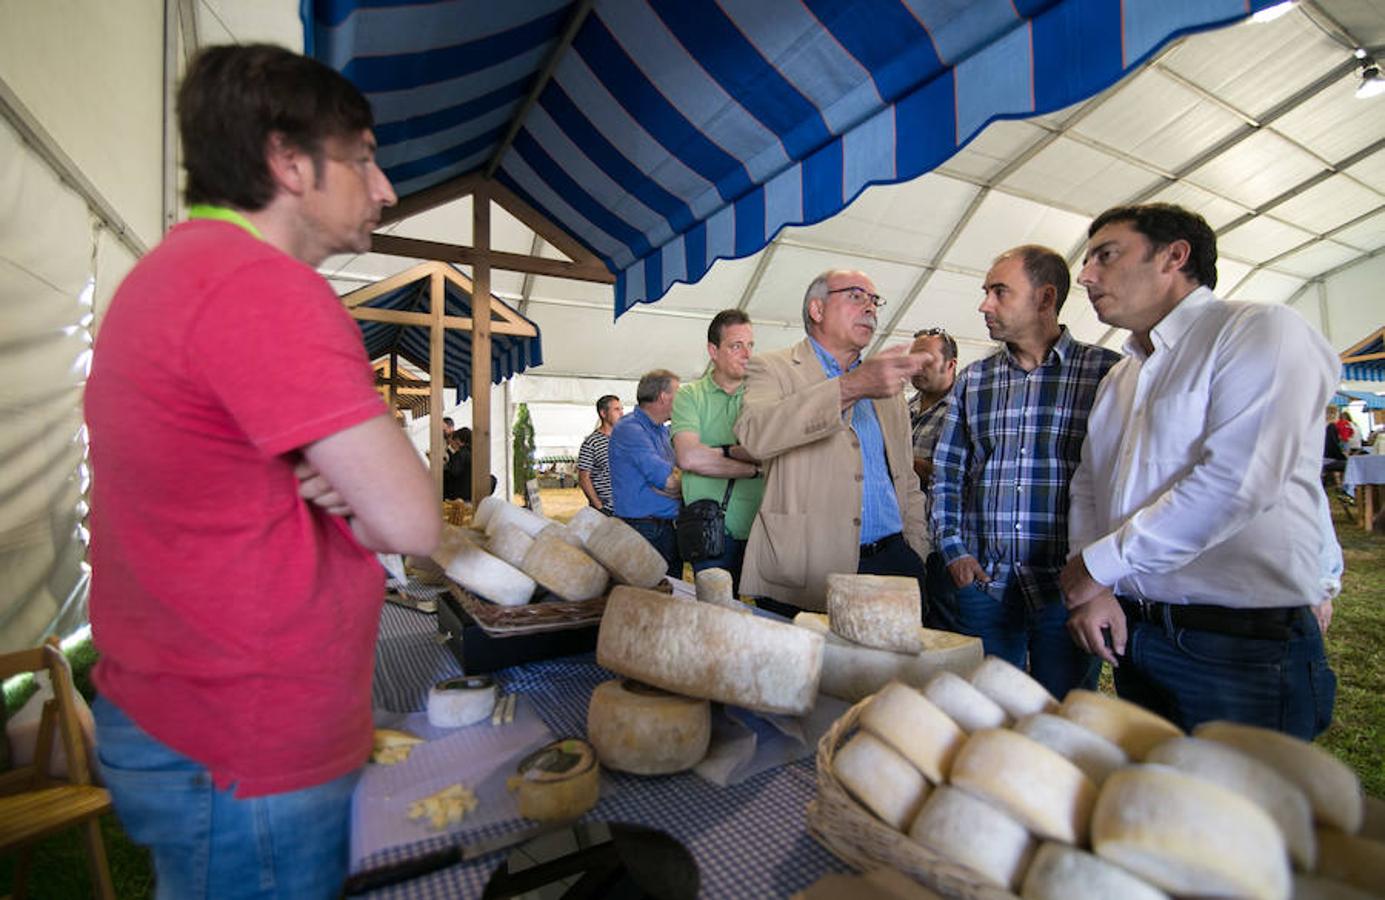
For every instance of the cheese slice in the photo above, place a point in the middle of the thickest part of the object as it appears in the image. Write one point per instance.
(702, 650)
(643, 730)
(1357, 861)
(909, 722)
(564, 569)
(970, 831)
(1332, 788)
(716, 586)
(1132, 728)
(626, 554)
(1228, 767)
(1089, 751)
(964, 704)
(881, 611)
(1044, 792)
(852, 672)
(1188, 836)
(1060, 872)
(1013, 690)
(881, 779)
(509, 542)
(490, 578)
(584, 522)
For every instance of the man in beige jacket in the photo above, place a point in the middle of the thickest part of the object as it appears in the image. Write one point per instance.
(832, 431)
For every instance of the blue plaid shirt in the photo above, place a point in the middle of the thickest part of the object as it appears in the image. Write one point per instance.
(1003, 463)
(879, 505)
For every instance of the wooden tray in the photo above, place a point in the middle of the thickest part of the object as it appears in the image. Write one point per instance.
(546, 612)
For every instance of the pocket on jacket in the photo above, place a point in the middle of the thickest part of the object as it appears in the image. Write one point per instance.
(785, 554)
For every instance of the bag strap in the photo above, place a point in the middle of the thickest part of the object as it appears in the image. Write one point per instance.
(730, 483)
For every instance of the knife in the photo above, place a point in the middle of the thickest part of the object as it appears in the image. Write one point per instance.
(404, 870)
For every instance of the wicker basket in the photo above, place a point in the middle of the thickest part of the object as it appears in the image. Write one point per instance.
(456, 512)
(858, 838)
(552, 614)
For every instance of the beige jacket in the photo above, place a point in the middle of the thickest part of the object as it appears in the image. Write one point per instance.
(809, 523)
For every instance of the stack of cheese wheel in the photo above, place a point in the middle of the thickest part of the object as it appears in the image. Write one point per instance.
(1098, 798)
(873, 637)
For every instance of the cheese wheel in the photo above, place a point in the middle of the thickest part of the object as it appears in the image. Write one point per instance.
(970, 831)
(526, 520)
(964, 704)
(643, 730)
(881, 611)
(1358, 861)
(1060, 872)
(1090, 752)
(463, 701)
(558, 782)
(489, 578)
(1332, 788)
(1189, 836)
(1044, 792)
(564, 569)
(920, 732)
(852, 672)
(881, 779)
(716, 586)
(1228, 767)
(702, 650)
(1013, 690)
(584, 522)
(1132, 728)
(1312, 887)
(509, 542)
(485, 509)
(626, 554)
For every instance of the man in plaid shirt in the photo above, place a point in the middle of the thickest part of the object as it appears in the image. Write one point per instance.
(1012, 438)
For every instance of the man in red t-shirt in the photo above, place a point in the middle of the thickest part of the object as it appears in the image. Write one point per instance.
(244, 468)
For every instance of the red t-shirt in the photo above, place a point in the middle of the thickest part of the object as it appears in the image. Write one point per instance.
(236, 623)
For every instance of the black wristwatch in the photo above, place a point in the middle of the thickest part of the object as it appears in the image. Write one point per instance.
(726, 450)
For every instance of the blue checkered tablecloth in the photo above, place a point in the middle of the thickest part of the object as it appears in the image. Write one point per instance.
(749, 839)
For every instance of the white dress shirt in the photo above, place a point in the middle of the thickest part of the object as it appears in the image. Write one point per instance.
(1199, 479)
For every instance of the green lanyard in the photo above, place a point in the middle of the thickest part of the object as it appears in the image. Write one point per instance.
(222, 214)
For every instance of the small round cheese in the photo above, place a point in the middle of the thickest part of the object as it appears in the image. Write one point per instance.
(964, 704)
(715, 586)
(626, 554)
(1090, 752)
(488, 577)
(961, 827)
(1059, 872)
(584, 522)
(1013, 690)
(564, 534)
(509, 542)
(558, 782)
(913, 726)
(526, 520)
(1042, 790)
(463, 701)
(564, 569)
(1132, 728)
(852, 672)
(643, 730)
(882, 611)
(881, 779)
(485, 509)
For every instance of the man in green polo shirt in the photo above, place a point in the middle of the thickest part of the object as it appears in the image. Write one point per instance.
(704, 412)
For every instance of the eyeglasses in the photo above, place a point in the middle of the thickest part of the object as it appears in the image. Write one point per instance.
(859, 296)
(930, 332)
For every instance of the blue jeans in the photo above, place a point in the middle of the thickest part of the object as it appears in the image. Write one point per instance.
(732, 558)
(208, 843)
(1189, 676)
(1019, 635)
(660, 533)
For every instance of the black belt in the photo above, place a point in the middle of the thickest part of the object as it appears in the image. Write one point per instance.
(1262, 624)
(880, 546)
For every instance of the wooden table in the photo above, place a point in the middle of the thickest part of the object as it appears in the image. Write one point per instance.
(1366, 473)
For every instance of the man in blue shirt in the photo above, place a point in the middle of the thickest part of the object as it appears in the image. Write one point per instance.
(645, 482)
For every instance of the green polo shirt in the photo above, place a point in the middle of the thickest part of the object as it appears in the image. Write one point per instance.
(703, 407)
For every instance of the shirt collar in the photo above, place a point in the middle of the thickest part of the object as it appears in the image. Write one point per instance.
(829, 362)
(223, 214)
(1061, 348)
(1176, 323)
(712, 383)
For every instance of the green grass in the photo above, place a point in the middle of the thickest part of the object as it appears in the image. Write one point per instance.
(1355, 646)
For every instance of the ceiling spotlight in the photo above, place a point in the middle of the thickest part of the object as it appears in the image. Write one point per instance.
(1372, 82)
(1270, 13)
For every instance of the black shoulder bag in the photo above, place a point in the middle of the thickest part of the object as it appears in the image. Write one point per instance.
(701, 527)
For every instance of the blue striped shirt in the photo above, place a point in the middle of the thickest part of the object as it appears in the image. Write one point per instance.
(1003, 463)
(879, 505)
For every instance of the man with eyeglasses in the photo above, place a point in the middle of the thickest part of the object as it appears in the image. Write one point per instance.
(1002, 466)
(832, 430)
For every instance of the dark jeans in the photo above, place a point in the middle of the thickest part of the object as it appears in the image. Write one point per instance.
(893, 556)
(1036, 641)
(731, 559)
(1191, 676)
(941, 594)
(660, 533)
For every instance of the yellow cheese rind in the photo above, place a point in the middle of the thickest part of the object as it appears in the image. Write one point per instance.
(510, 542)
(564, 569)
(644, 731)
(964, 704)
(1132, 728)
(919, 731)
(1060, 872)
(881, 611)
(1093, 754)
(716, 586)
(701, 650)
(1332, 788)
(558, 782)
(852, 672)
(1357, 861)
(881, 779)
(1228, 767)
(1188, 836)
(1013, 690)
(970, 831)
(1042, 790)
(626, 554)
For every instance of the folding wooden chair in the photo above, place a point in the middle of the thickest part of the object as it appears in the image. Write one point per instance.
(34, 804)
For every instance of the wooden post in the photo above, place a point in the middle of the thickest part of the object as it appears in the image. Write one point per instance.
(437, 379)
(481, 344)
(394, 382)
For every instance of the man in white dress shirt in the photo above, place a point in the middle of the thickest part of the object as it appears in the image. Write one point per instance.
(1194, 524)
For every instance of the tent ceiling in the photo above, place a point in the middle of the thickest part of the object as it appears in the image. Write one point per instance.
(1255, 126)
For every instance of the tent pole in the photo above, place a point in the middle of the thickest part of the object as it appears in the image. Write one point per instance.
(481, 344)
(436, 380)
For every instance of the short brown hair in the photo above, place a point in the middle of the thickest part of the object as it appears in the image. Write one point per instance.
(722, 320)
(652, 384)
(1043, 266)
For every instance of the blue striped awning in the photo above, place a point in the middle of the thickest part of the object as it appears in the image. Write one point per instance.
(1365, 361)
(677, 132)
(1372, 401)
(510, 354)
